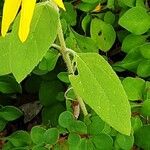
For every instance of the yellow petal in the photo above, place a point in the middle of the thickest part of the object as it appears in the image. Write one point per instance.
(60, 4)
(10, 10)
(27, 10)
(98, 8)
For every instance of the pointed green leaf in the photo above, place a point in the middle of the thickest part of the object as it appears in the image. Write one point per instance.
(4, 50)
(101, 89)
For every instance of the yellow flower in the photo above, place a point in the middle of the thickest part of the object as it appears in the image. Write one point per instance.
(10, 11)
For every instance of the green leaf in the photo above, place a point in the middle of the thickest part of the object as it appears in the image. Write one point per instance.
(20, 138)
(135, 93)
(20, 148)
(109, 17)
(9, 85)
(85, 44)
(136, 20)
(48, 92)
(78, 126)
(86, 144)
(145, 110)
(65, 119)
(110, 4)
(132, 41)
(63, 76)
(2, 124)
(7, 146)
(87, 6)
(69, 15)
(144, 49)
(102, 142)
(140, 3)
(23, 57)
(146, 93)
(4, 55)
(142, 137)
(37, 134)
(109, 101)
(38, 147)
(129, 3)
(96, 126)
(74, 140)
(131, 61)
(136, 123)
(100, 33)
(85, 22)
(51, 136)
(49, 61)
(125, 142)
(50, 114)
(10, 113)
(143, 69)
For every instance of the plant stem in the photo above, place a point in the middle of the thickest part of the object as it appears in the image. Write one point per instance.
(63, 49)
(82, 105)
(68, 62)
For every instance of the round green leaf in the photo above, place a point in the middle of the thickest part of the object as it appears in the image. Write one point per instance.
(78, 127)
(20, 139)
(100, 33)
(51, 136)
(74, 140)
(102, 142)
(136, 123)
(96, 126)
(109, 17)
(145, 50)
(136, 92)
(125, 142)
(86, 144)
(135, 20)
(145, 110)
(143, 69)
(37, 133)
(65, 119)
(142, 137)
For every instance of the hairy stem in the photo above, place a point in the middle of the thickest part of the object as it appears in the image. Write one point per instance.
(63, 49)
(66, 57)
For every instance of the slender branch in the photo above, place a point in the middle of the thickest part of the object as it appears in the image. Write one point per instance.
(56, 46)
(63, 49)
(68, 50)
(82, 105)
(66, 57)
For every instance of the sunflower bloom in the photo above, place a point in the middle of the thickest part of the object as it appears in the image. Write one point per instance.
(10, 11)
